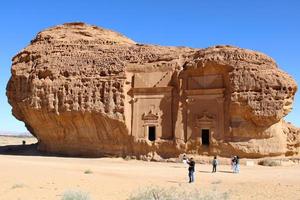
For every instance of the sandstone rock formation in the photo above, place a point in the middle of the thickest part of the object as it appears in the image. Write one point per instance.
(84, 90)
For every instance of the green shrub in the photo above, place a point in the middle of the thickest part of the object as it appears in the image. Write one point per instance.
(75, 195)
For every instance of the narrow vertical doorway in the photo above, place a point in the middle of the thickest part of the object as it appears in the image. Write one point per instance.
(151, 133)
(205, 137)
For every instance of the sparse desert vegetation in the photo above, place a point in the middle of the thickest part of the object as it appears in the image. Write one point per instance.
(270, 162)
(18, 185)
(75, 195)
(116, 179)
(88, 171)
(177, 193)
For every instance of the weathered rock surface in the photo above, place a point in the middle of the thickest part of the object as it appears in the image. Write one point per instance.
(74, 88)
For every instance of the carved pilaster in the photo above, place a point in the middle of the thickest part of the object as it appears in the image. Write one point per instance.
(220, 102)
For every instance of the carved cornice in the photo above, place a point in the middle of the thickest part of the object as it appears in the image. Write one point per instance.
(218, 92)
(205, 118)
(152, 90)
(150, 116)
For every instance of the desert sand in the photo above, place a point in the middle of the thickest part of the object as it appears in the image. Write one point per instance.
(35, 177)
(16, 140)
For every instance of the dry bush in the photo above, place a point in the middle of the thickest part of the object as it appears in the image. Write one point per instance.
(269, 162)
(75, 195)
(176, 193)
(88, 171)
(18, 185)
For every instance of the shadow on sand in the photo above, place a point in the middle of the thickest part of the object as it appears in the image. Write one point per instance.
(177, 182)
(208, 172)
(221, 171)
(22, 150)
(229, 172)
(30, 150)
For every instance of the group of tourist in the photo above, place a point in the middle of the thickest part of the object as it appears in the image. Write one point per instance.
(191, 168)
(235, 165)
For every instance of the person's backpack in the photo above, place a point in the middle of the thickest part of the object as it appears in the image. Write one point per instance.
(215, 162)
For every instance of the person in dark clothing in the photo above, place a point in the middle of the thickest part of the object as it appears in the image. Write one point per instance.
(214, 164)
(191, 164)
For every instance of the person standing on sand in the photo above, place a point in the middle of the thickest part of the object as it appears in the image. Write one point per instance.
(214, 164)
(191, 164)
(233, 161)
(237, 164)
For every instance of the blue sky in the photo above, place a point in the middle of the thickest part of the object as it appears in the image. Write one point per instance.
(272, 27)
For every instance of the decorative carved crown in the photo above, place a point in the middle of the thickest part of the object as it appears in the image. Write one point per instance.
(150, 116)
(205, 117)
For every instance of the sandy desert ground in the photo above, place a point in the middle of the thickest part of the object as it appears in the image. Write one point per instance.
(12, 140)
(47, 178)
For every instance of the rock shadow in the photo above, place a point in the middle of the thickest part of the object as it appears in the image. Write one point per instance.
(20, 150)
(32, 150)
